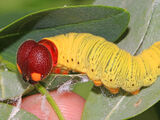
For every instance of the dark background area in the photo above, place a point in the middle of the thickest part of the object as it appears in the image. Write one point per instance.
(11, 10)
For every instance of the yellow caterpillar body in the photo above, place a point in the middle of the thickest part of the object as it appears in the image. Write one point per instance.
(105, 63)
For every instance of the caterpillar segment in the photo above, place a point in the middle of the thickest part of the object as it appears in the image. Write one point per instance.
(95, 65)
(155, 56)
(150, 75)
(100, 62)
(103, 62)
(108, 77)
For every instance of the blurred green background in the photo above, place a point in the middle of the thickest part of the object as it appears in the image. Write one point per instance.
(11, 10)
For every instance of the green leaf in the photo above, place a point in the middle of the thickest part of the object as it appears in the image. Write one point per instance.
(144, 27)
(83, 88)
(6, 64)
(149, 114)
(5, 111)
(11, 85)
(16, 9)
(108, 22)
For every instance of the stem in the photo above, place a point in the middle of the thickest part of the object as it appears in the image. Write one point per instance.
(51, 101)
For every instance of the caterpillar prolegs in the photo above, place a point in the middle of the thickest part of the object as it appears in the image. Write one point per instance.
(102, 61)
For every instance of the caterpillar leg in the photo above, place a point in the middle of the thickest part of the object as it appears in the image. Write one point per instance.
(58, 70)
(135, 92)
(113, 90)
(65, 72)
(97, 82)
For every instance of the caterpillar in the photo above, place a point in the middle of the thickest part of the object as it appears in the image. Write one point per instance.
(103, 61)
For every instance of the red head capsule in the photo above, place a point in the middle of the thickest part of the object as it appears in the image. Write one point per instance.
(52, 49)
(34, 61)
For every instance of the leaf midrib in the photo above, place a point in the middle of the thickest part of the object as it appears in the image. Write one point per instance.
(147, 28)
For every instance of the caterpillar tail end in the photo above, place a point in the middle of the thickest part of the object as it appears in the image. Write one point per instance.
(135, 92)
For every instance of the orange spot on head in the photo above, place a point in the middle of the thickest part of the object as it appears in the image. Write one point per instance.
(36, 76)
(19, 69)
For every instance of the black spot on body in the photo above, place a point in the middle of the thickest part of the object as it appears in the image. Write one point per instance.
(72, 59)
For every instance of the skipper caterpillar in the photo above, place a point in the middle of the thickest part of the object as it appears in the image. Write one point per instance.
(103, 61)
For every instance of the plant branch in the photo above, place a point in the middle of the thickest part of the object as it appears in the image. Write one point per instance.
(51, 101)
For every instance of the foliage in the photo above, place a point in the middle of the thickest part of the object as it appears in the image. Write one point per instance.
(109, 22)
